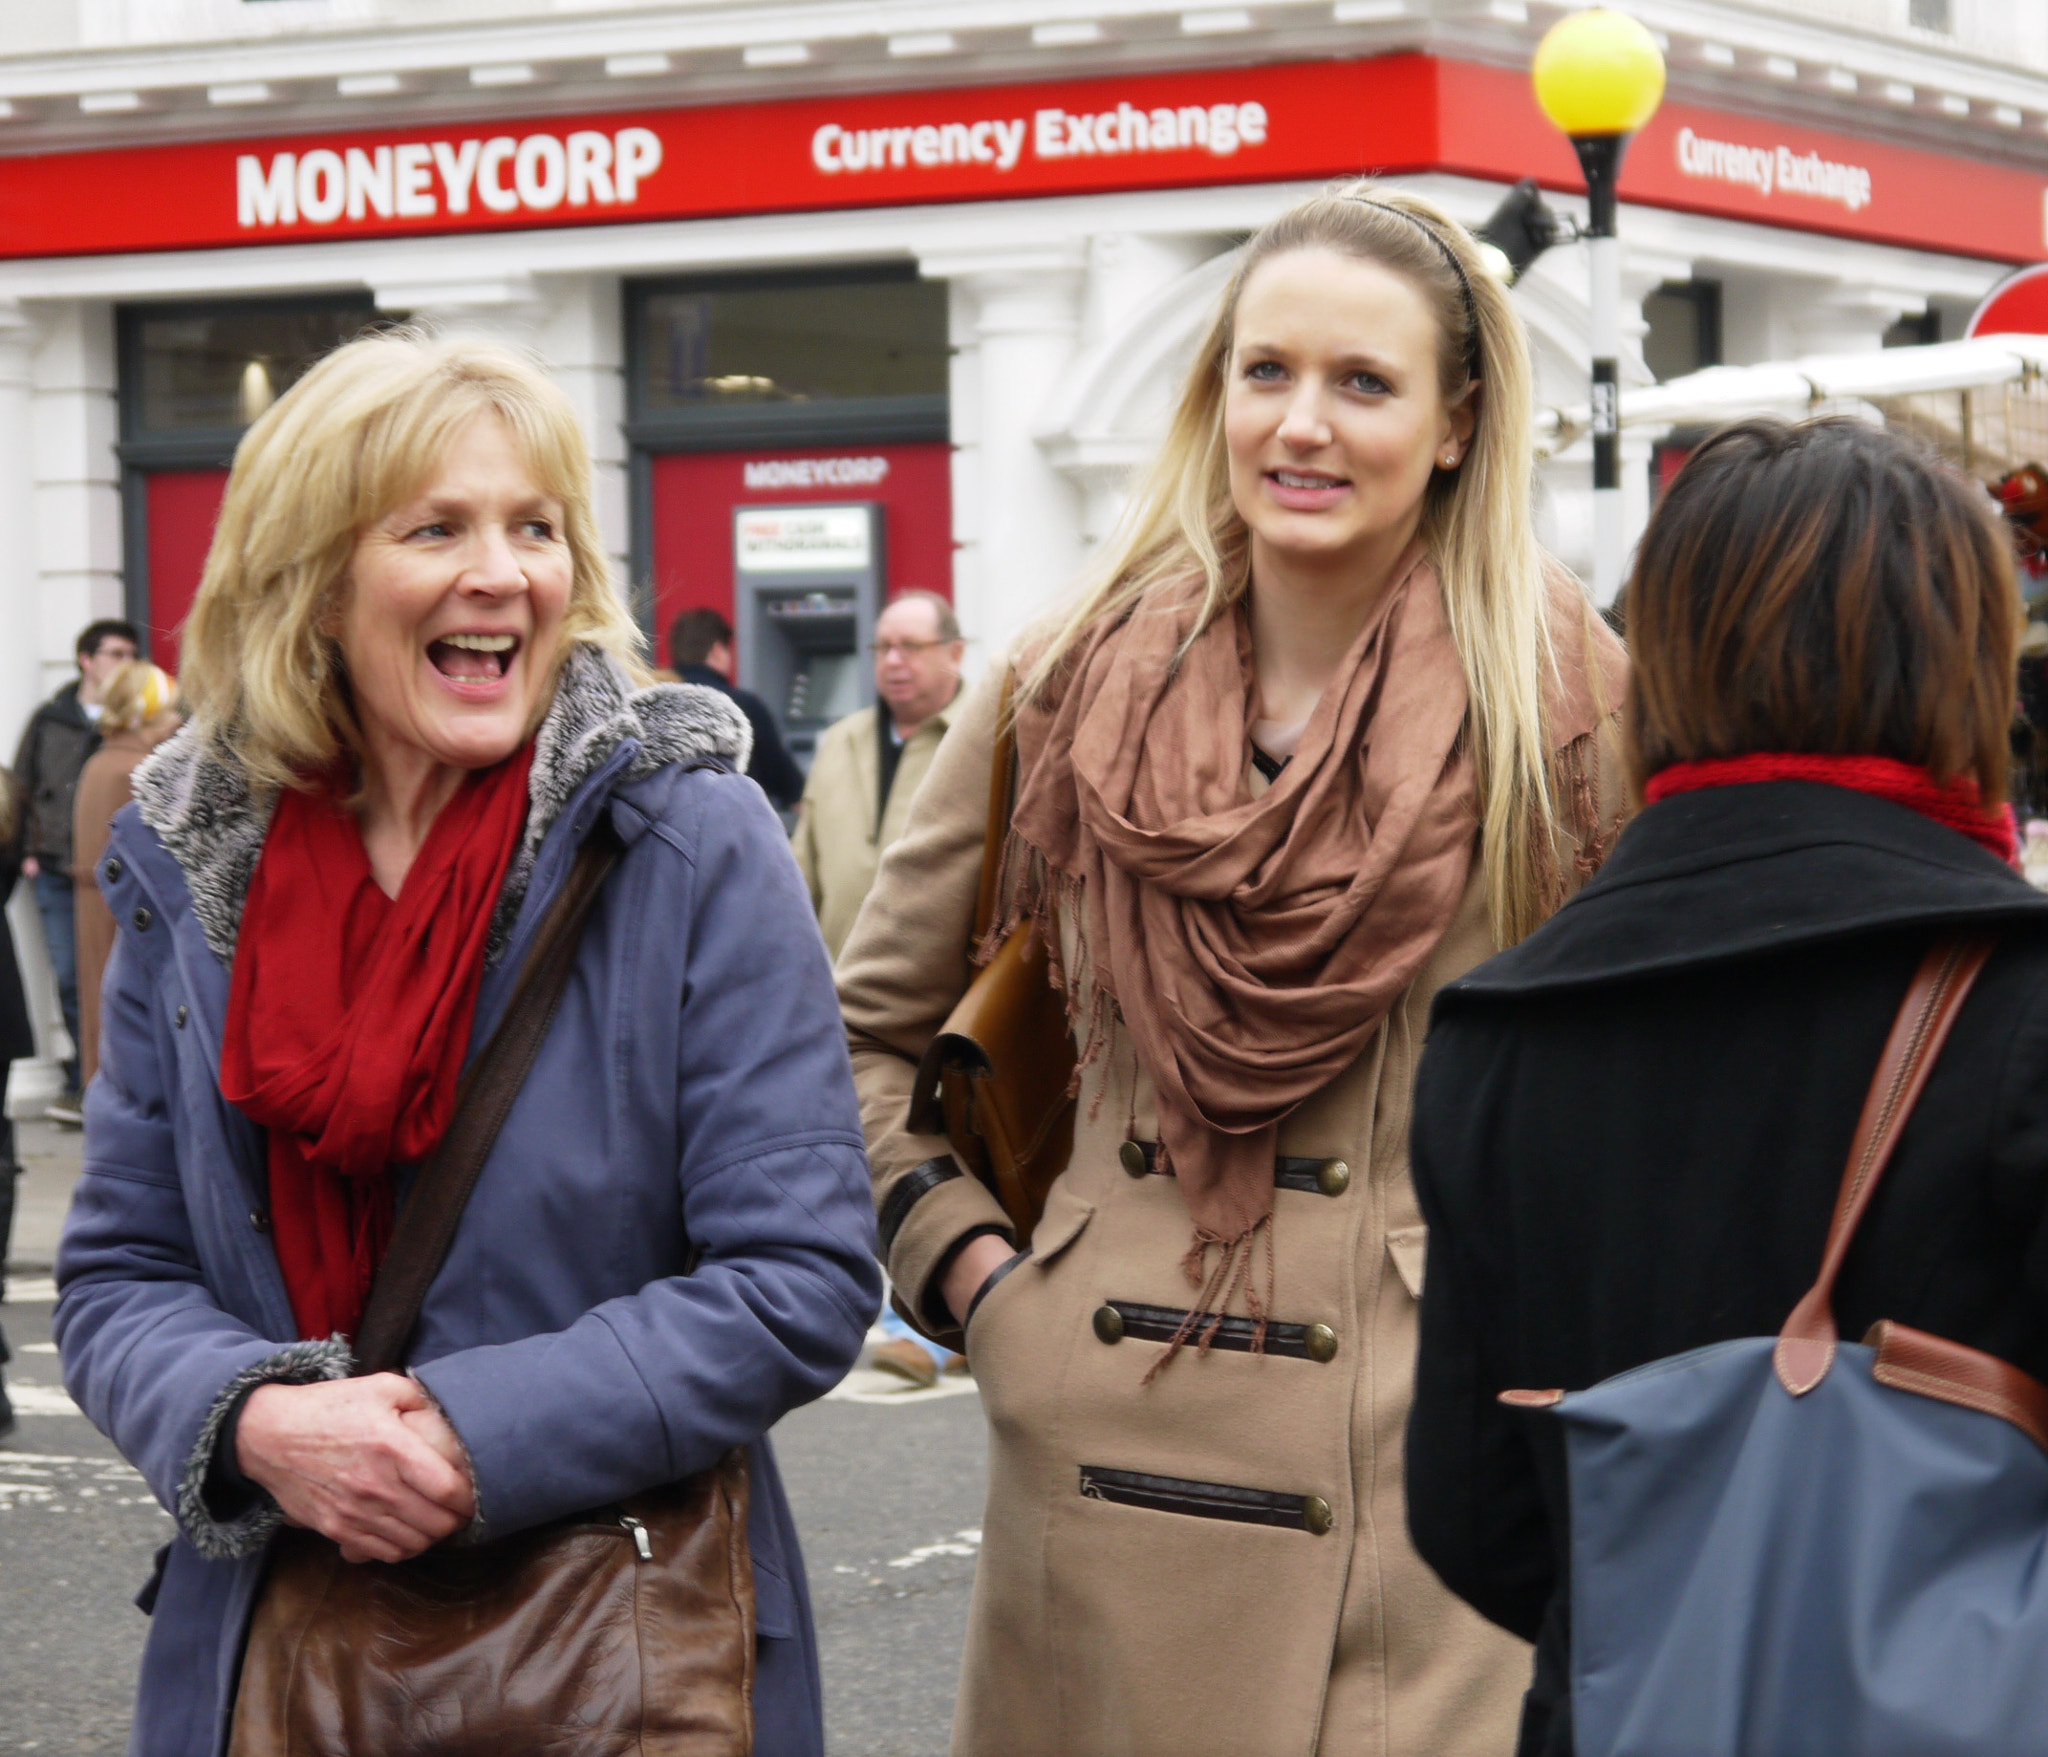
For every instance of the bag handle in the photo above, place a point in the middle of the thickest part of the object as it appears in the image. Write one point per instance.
(1806, 1345)
(441, 1191)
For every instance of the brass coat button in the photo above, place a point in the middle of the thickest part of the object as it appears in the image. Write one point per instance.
(259, 1220)
(142, 919)
(184, 1013)
(1320, 1342)
(1333, 1177)
(1316, 1517)
(1132, 1156)
(1109, 1324)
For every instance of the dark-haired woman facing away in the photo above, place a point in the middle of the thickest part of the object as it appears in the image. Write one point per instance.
(1629, 1129)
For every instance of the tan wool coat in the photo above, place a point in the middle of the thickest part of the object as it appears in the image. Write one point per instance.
(838, 839)
(105, 784)
(1306, 1626)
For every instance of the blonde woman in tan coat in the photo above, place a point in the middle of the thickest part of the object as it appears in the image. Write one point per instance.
(1325, 730)
(140, 710)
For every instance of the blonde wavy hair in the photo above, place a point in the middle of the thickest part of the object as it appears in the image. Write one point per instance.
(1182, 522)
(354, 439)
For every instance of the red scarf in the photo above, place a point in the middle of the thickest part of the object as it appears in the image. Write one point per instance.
(349, 1015)
(1954, 804)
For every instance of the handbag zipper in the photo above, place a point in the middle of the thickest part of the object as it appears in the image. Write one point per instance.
(642, 1543)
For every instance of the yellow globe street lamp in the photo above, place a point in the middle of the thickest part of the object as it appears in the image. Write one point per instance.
(1599, 77)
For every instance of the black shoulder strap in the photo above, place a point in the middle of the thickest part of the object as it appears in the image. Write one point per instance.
(427, 1225)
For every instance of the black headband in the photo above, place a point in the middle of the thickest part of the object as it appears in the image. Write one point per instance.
(1457, 268)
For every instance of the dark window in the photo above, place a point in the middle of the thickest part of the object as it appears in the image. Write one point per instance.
(1915, 330)
(1928, 15)
(191, 370)
(1684, 319)
(747, 358)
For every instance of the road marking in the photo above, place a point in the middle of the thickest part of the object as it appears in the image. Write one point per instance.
(37, 1290)
(961, 1543)
(39, 1400)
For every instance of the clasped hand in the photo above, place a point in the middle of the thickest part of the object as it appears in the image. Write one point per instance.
(370, 1463)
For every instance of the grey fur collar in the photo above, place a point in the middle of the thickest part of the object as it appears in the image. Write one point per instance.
(205, 813)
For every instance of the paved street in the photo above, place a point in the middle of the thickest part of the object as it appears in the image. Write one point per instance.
(887, 1491)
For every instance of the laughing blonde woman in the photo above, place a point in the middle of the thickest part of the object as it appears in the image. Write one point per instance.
(1326, 730)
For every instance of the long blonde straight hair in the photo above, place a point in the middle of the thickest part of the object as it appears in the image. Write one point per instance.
(1182, 523)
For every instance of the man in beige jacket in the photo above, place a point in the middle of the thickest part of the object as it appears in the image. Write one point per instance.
(869, 764)
(857, 802)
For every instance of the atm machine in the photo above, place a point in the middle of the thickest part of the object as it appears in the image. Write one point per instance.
(807, 587)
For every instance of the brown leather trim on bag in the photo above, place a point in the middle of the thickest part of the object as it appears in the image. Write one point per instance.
(440, 1192)
(996, 1079)
(1806, 1345)
(1933, 1366)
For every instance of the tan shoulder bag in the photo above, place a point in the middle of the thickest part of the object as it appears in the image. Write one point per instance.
(995, 1080)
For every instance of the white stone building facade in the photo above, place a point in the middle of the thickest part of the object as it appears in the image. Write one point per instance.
(176, 157)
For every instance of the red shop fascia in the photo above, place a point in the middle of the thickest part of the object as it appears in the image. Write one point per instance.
(1262, 124)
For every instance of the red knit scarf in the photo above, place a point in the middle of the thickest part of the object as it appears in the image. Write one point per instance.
(349, 1016)
(1954, 804)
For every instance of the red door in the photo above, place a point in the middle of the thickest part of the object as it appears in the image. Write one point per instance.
(695, 492)
(181, 506)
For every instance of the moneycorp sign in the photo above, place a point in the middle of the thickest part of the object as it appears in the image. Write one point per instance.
(1305, 123)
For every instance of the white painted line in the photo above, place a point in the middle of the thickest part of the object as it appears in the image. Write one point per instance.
(961, 1543)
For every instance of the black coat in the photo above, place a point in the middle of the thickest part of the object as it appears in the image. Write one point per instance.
(59, 738)
(1630, 1129)
(770, 765)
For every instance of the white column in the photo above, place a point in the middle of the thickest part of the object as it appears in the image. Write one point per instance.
(582, 339)
(77, 484)
(1017, 519)
(20, 622)
(20, 654)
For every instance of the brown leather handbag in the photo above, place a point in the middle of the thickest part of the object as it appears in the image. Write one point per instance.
(625, 1629)
(996, 1081)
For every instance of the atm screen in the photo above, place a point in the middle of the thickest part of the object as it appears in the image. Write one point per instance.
(827, 687)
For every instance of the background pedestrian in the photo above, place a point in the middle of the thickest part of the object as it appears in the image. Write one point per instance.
(414, 698)
(1324, 730)
(866, 773)
(700, 648)
(61, 734)
(870, 764)
(1630, 1130)
(139, 711)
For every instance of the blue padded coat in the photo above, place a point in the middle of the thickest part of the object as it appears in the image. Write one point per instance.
(692, 1100)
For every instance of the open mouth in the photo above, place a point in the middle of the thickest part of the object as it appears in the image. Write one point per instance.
(1309, 481)
(473, 658)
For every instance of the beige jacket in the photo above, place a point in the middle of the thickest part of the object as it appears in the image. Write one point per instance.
(1105, 1629)
(837, 840)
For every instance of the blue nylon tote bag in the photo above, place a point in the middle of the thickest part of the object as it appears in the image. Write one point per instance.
(1796, 1547)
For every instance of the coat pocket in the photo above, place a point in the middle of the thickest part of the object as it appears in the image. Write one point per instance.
(1206, 1500)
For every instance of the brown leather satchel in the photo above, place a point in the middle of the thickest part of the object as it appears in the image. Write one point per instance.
(625, 1629)
(996, 1079)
